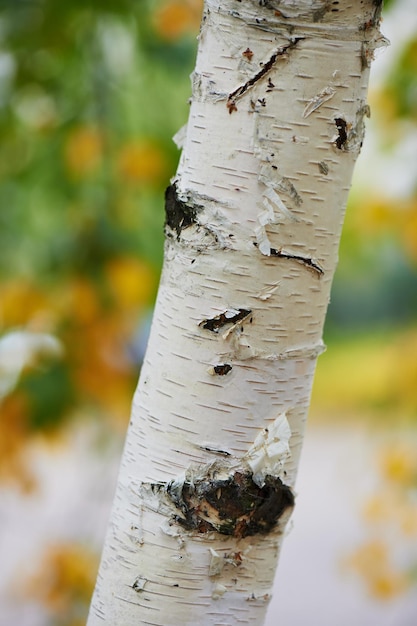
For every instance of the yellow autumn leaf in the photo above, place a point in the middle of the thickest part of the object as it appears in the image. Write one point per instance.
(83, 151)
(392, 506)
(176, 18)
(131, 281)
(352, 376)
(101, 369)
(379, 214)
(15, 436)
(408, 519)
(388, 584)
(141, 161)
(372, 562)
(20, 303)
(383, 103)
(399, 464)
(409, 233)
(80, 301)
(378, 508)
(65, 579)
(402, 382)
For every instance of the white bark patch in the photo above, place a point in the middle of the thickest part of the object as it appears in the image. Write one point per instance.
(267, 292)
(217, 563)
(265, 217)
(316, 102)
(271, 201)
(273, 209)
(228, 560)
(218, 591)
(139, 584)
(270, 450)
(311, 352)
(180, 136)
(369, 47)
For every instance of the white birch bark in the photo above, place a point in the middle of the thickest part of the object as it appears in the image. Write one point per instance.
(253, 225)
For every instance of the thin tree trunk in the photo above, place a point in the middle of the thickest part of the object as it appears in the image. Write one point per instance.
(252, 232)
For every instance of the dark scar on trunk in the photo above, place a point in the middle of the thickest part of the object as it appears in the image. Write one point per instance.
(224, 319)
(234, 506)
(178, 214)
(240, 91)
(341, 140)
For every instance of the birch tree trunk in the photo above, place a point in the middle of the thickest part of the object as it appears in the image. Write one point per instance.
(253, 221)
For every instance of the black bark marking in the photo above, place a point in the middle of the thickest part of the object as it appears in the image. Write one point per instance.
(341, 140)
(234, 506)
(222, 369)
(270, 86)
(216, 450)
(240, 91)
(178, 214)
(309, 263)
(224, 319)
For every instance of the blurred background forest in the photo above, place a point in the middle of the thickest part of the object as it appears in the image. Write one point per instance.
(91, 93)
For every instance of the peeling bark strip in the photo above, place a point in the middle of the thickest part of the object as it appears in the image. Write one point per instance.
(234, 506)
(232, 316)
(240, 91)
(315, 103)
(178, 214)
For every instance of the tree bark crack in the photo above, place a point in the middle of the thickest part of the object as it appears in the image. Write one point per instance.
(309, 263)
(240, 91)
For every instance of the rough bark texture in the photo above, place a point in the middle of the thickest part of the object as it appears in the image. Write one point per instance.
(253, 221)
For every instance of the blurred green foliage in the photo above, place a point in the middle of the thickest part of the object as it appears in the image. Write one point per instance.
(402, 82)
(99, 66)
